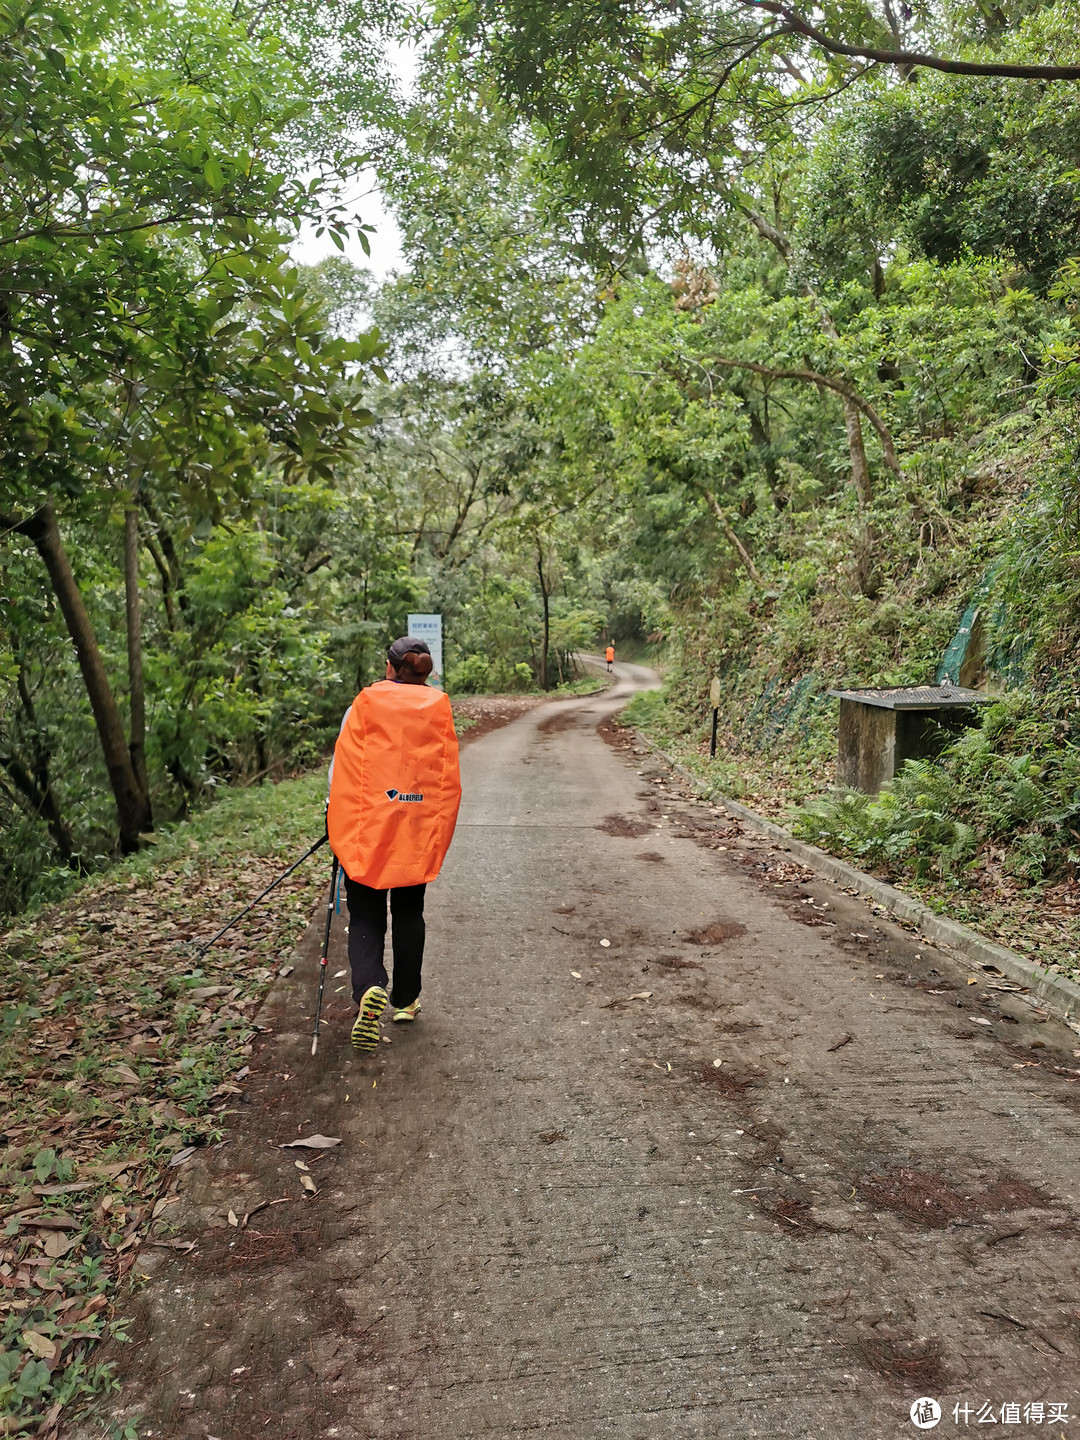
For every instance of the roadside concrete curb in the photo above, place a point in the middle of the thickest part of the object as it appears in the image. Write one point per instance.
(1059, 995)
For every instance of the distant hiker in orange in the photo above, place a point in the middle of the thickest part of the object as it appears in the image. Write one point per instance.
(394, 795)
(609, 656)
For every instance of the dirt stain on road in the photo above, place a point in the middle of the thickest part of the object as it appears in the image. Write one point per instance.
(624, 826)
(929, 1199)
(728, 1084)
(676, 962)
(715, 933)
(914, 1365)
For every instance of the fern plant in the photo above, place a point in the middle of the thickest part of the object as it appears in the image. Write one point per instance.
(1012, 783)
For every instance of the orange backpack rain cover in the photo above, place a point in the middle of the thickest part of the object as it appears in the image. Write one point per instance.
(396, 789)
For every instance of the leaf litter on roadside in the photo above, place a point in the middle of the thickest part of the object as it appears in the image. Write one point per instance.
(121, 1050)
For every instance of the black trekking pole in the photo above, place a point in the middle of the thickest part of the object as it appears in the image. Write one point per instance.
(272, 886)
(324, 958)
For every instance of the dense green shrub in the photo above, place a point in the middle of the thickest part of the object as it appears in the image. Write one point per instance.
(1007, 790)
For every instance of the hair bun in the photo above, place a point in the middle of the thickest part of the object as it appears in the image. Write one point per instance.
(418, 663)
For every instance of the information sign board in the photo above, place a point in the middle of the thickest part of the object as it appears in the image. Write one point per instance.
(429, 628)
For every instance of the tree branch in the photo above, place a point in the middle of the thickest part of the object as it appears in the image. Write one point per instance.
(841, 387)
(733, 539)
(776, 238)
(910, 58)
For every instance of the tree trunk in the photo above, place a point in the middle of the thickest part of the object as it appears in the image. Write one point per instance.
(136, 686)
(43, 803)
(855, 406)
(759, 433)
(166, 580)
(733, 539)
(132, 810)
(168, 549)
(547, 619)
(860, 471)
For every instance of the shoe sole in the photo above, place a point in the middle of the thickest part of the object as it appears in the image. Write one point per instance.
(401, 1017)
(365, 1030)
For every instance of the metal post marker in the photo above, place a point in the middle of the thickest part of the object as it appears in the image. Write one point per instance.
(714, 701)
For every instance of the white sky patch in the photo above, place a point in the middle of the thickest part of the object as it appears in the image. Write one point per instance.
(365, 198)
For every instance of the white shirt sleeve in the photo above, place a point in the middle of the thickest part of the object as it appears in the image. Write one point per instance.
(330, 772)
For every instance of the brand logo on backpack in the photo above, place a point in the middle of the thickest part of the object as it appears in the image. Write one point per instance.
(397, 795)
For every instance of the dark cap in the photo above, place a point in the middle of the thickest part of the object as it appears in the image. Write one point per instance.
(408, 644)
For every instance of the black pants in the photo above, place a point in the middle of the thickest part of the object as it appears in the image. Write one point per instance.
(367, 938)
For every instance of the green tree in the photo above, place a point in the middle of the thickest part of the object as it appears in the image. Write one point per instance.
(148, 325)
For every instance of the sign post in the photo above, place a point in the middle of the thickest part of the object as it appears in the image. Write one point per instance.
(429, 628)
(714, 701)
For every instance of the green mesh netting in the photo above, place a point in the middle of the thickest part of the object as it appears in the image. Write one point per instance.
(783, 708)
(1006, 654)
(957, 649)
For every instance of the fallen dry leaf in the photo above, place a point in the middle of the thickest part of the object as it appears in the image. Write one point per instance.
(312, 1142)
(110, 1172)
(641, 995)
(309, 1184)
(204, 992)
(103, 947)
(39, 1345)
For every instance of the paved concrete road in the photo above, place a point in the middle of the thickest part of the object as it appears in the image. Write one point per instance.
(682, 1146)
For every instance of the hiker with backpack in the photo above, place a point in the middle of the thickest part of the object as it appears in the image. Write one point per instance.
(395, 789)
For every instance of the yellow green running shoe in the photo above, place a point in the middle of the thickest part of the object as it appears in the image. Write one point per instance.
(406, 1012)
(365, 1030)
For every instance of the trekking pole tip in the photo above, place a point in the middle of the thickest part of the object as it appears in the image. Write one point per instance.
(314, 1043)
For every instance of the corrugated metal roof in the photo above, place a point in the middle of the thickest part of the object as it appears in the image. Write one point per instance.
(915, 697)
